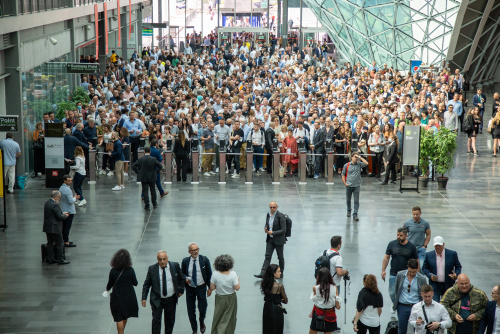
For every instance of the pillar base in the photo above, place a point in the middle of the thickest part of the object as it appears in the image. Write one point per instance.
(192, 182)
(167, 182)
(275, 183)
(303, 183)
(92, 182)
(221, 182)
(329, 183)
(248, 182)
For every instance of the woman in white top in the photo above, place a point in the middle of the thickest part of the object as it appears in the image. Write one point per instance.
(108, 164)
(326, 299)
(79, 167)
(225, 282)
(368, 307)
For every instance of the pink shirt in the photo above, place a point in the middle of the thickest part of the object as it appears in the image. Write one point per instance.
(440, 267)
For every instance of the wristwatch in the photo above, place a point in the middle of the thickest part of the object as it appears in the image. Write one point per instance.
(425, 246)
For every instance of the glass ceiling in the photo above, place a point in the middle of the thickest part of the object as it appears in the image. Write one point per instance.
(388, 31)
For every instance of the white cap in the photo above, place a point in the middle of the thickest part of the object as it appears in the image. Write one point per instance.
(438, 241)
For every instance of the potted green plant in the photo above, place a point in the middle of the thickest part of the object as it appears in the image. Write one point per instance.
(426, 152)
(445, 144)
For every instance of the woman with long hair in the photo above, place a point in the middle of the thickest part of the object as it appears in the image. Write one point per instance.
(326, 299)
(274, 296)
(181, 152)
(79, 167)
(108, 163)
(376, 142)
(289, 147)
(474, 119)
(125, 140)
(340, 147)
(368, 307)
(122, 279)
(38, 147)
(495, 132)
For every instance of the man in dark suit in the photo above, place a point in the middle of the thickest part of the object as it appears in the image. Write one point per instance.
(441, 267)
(491, 313)
(391, 161)
(196, 268)
(478, 101)
(270, 134)
(275, 229)
(166, 282)
(53, 219)
(318, 147)
(145, 168)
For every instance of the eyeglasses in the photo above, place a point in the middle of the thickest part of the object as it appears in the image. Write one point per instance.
(409, 286)
(194, 250)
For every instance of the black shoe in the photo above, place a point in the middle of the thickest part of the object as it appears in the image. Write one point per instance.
(51, 262)
(348, 213)
(378, 176)
(371, 175)
(184, 180)
(392, 182)
(178, 180)
(62, 262)
(383, 183)
(155, 206)
(146, 207)
(481, 132)
(70, 245)
(259, 276)
(356, 217)
(203, 328)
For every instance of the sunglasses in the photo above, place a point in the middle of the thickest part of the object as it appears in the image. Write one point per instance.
(409, 286)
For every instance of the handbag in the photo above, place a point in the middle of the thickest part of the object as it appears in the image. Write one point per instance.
(109, 147)
(38, 144)
(320, 323)
(295, 161)
(490, 123)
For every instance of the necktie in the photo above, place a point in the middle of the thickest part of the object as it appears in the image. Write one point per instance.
(164, 283)
(194, 274)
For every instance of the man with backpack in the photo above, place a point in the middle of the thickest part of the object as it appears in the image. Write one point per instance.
(332, 260)
(276, 231)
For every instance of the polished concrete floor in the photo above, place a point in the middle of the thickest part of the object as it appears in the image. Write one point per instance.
(40, 298)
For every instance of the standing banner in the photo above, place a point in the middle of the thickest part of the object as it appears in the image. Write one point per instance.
(415, 66)
(105, 32)
(119, 25)
(96, 21)
(129, 18)
(411, 152)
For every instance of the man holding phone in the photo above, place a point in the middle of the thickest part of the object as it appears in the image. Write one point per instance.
(428, 316)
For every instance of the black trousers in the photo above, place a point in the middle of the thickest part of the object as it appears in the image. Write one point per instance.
(235, 158)
(39, 160)
(192, 294)
(67, 227)
(108, 160)
(362, 329)
(269, 161)
(134, 146)
(145, 194)
(54, 243)
(270, 247)
(391, 168)
(182, 165)
(318, 163)
(377, 161)
(167, 307)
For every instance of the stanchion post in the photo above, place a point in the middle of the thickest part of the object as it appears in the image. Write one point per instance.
(329, 168)
(276, 168)
(249, 163)
(195, 157)
(92, 167)
(302, 167)
(222, 162)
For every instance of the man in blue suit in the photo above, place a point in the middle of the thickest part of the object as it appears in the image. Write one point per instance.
(488, 324)
(478, 101)
(155, 152)
(198, 272)
(441, 267)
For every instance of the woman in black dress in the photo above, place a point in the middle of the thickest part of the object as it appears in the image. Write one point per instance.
(274, 296)
(474, 119)
(122, 279)
(341, 145)
(495, 132)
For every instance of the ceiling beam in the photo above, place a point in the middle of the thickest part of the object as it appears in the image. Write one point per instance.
(479, 33)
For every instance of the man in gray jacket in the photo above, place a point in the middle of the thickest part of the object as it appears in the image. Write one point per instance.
(408, 287)
(67, 203)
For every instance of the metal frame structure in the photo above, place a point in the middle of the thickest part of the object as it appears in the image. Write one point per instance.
(389, 31)
(475, 45)
(231, 30)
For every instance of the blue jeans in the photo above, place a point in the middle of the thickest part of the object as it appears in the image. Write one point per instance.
(403, 317)
(158, 183)
(421, 256)
(77, 184)
(392, 288)
(349, 191)
(439, 290)
(258, 159)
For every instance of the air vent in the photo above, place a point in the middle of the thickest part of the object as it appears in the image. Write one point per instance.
(66, 25)
(5, 40)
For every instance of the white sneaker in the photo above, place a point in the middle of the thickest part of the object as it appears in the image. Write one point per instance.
(258, 174)
(122, 186)
(253, 169)
(82, 203)
(111, 173)
(102, 172)
(39, 174)
(212, 173)
(227, 171)
(10, 191)
(262, 169)
(235, 176)
(77, 202)
(116, 188)
(124, 174)
(207, 174)
(217, 170)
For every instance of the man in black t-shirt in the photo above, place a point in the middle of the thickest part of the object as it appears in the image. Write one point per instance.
(399, 251)
(235, 142)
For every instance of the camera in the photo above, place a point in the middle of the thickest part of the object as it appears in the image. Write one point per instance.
(347, 277)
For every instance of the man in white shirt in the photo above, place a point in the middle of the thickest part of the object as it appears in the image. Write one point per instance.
(429, 314)
(336, 263)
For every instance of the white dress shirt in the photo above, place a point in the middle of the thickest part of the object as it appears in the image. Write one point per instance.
(170, 283)
(440, 267)
(271, 222)
(199, 276)
(435, 313)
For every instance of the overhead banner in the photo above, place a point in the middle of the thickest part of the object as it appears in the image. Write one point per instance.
(96, 21)
(82, 68)
(106, 27)
(411, 145)
(415, 66)
(119, 24)
(129, 18)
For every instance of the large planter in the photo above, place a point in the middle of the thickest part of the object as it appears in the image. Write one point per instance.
(423, 182)
(442, 181)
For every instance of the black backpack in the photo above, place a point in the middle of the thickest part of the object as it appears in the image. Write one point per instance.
(467, 127)
(392, 327)
(323, 262)
(288, 232)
